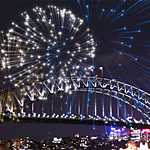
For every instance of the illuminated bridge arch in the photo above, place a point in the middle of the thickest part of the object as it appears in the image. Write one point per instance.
(130, 95)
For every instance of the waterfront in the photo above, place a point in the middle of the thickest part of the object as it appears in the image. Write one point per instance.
(116, 139)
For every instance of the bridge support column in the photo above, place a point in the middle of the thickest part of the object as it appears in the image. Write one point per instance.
(117, 109)
(61, 108)
(95, 109)
(22, 107)
(103, 109)
(52, 109)
(125, 111)
(78, 107)
(32, 108)
(87, 108)
(70, 107)
(110, 105)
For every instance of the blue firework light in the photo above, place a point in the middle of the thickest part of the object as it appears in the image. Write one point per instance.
(121, 29)
(59, 44)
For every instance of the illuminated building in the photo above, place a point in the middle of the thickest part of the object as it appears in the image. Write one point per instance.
(135, 134)
(145, 135)
(115, 134)
(94, 138)
(57, 140)
(125, 134)
(77, 135)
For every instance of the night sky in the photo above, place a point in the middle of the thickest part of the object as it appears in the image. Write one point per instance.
(131, 66)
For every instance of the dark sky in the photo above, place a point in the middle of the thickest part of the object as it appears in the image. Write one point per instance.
(131, 71)
(102, 32)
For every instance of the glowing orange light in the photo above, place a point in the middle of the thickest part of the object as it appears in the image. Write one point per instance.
(146, 130)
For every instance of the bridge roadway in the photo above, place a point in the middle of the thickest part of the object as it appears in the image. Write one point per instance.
(71, 120)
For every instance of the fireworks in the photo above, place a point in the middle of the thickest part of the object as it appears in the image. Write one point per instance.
(11, 97)
(122, 30)
(53, 43)
(59, 45)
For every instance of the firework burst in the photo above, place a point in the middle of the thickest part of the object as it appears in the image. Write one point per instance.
(11, 97)
(59, 45)
(121, 29)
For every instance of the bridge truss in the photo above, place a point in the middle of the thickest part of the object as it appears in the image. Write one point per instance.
(122, 101)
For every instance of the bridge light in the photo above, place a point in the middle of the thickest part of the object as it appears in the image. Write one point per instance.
(106, 122)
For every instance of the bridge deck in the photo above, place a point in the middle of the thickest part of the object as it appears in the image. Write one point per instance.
(74, 121)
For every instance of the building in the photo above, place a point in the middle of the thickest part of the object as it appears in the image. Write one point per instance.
(135, 134)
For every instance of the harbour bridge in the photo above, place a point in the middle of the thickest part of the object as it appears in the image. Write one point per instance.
(103, 101)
